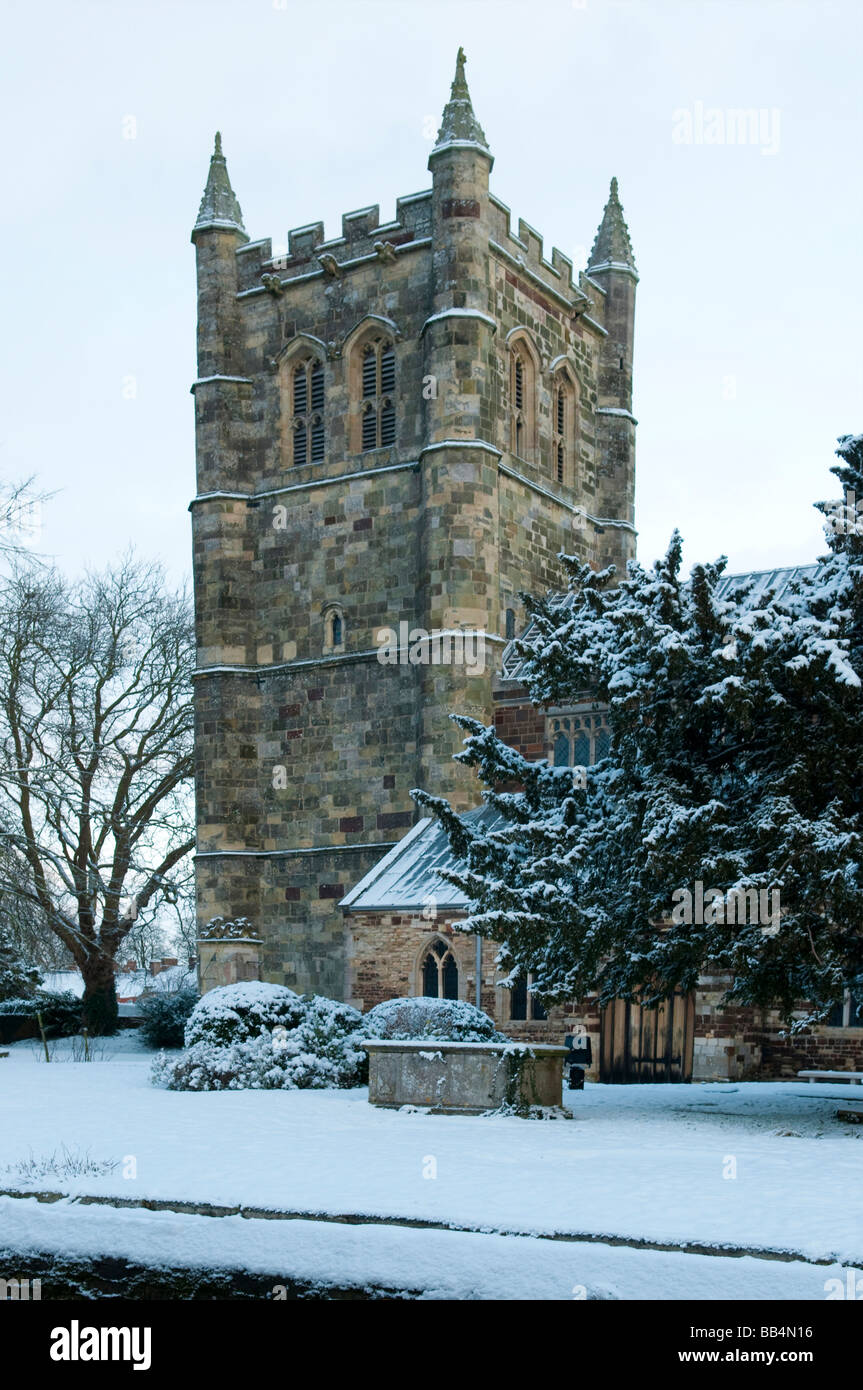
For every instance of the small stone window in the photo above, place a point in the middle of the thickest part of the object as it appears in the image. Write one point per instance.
(307, 411)
(559, 436)
(334, 629)
(518, 399)
(509, 630)
(440, 972)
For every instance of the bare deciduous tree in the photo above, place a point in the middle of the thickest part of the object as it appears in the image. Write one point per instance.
(20, 517)
(96, 734)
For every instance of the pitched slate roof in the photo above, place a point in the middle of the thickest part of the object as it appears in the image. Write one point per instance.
(410, 875)
(512, 665)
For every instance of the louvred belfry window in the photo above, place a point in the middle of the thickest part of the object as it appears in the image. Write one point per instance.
(378, 387)
(522, 400)
(563, 414)
(307, 408)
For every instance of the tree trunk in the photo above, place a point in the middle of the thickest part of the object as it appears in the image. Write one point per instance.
(99, 1006)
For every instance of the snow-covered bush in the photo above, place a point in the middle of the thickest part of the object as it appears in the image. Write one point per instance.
(452, 1020)
(165, 1017)
(235, 1013)
(322, 1050)
(332, 1032)
(264, 1037)
(172, 980)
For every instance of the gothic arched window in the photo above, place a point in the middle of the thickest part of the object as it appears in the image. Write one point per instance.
(440, 972)
(377, 387)
(561, 750)
(522, 395)
(307, 411)
(563, 422)
(581, 750)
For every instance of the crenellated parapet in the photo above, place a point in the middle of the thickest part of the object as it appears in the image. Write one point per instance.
(364, 240)
(526, 251)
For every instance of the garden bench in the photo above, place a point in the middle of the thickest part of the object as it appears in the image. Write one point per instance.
(854, 1077)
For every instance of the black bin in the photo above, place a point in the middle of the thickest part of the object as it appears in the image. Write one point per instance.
(580, 1056)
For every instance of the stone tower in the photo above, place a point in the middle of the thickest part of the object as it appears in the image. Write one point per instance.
(398, 428)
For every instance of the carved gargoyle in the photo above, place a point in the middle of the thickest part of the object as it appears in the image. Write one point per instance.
(330, 265)
(272, 283)
(386, 251)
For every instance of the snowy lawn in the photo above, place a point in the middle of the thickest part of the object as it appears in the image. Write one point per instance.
(637, 1162)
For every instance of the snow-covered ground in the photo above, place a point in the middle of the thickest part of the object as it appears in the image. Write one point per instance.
(760, 1166)
(429, 1264)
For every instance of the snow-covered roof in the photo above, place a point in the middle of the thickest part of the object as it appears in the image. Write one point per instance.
(410, 876)
(64, 982)
(762, 580)
(512, 664)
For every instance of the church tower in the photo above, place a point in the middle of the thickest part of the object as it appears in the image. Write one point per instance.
(398, 429)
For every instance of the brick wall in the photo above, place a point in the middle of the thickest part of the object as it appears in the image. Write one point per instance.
(745, 1043)
(522, 726)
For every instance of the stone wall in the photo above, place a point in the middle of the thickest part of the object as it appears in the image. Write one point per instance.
(305, 752)
(227, 961)
(731, 1043)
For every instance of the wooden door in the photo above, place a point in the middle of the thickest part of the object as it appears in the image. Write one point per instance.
(641, 1044)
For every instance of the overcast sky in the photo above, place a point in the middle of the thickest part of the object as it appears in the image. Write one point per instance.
(748, 324)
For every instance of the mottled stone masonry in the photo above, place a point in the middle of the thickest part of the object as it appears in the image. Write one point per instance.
(307, 752)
